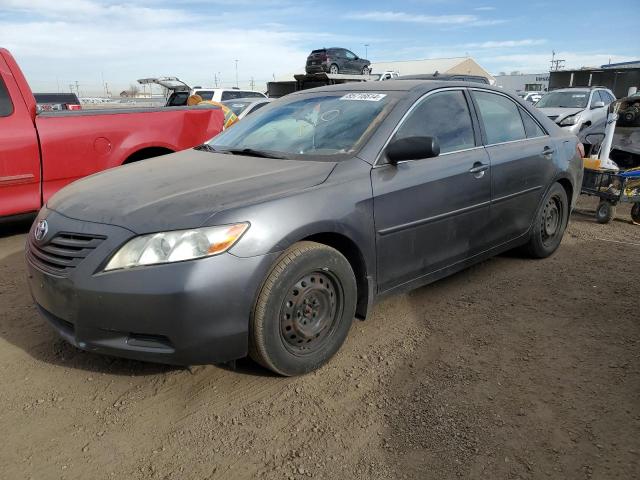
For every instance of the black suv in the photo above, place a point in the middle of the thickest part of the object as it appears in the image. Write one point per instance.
(336, 60)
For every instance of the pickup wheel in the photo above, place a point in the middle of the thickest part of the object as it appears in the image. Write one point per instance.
(304, 310)
(549, 224)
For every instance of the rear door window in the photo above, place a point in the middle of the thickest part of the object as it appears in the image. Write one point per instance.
(444, 115)
(6, 107)
(531, 127)
(500, 117)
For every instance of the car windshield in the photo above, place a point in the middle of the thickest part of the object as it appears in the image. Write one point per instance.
(566, 99)
(324, 124)
(236, 107)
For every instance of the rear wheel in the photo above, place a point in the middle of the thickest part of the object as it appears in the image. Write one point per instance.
(550, 223)
(333, 69)
(304, 310)
(635, 213)
(605, 212)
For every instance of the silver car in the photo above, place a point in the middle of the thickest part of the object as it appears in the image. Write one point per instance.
(574, 109)
(246, 106)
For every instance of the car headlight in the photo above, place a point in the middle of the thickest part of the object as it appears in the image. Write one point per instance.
(570, 120)
(176, 246)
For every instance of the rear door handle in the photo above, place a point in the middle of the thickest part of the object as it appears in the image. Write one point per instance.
(478, 169)
(548, 151)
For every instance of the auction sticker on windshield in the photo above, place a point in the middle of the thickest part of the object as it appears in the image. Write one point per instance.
(368, 97)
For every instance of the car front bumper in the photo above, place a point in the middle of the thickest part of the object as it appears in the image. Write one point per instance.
(186, 313)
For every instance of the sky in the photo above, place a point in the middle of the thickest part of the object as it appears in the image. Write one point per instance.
(59, 42)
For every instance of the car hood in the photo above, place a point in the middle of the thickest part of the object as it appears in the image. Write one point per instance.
(559, 113)
(182, 190)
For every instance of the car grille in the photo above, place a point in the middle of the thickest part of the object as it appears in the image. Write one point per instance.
(63, 252)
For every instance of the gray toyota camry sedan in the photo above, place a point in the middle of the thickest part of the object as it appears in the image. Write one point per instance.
(269, 239)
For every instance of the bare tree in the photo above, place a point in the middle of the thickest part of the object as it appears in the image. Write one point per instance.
(133, 91)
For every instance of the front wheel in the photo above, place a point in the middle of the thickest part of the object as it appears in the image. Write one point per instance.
(304, 310)
(550, 223)
(366, 70)
(635, 213)
(605, 212)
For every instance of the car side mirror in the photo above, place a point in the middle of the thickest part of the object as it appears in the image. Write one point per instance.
(412, 148)
(599, 104)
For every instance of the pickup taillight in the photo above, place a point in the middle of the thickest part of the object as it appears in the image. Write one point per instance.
(71, 106)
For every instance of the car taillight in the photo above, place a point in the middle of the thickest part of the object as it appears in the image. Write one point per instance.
(71, 106)
(324, 57)
(580, 149)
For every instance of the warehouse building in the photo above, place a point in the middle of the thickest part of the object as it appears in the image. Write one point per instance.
(429, 66)
(524, 82)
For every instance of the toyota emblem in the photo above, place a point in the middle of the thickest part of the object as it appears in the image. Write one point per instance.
(41, 230)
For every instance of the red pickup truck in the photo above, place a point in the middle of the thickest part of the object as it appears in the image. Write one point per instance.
(42, 152)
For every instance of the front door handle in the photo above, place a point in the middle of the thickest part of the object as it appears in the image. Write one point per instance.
(478, 169)
(548, 151)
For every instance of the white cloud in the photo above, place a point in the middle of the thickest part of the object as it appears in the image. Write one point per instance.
(411, 18)
(484, 9)
(527, 42)
(445, 21)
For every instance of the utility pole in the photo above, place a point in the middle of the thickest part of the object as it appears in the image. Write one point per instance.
(252, 83)
(556, 64)
(77, 88)
(366, 50)
(236, 72)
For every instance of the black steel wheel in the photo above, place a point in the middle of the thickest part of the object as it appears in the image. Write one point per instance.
(635, 213)
(333, 69)
(309, 312)
(304, 310)
(550, 223)
(605, 212)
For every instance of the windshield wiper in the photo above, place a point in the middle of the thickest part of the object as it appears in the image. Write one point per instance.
(205, 147)
(252, 153)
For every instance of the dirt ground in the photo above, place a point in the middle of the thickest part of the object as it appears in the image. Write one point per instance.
(514, 368)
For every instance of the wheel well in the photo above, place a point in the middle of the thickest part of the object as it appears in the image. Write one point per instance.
(568, 188)
(145, 153)
(352, 253)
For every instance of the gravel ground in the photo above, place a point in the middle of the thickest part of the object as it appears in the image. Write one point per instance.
(514, 368)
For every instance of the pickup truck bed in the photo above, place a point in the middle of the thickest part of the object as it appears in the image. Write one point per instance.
(41, 153)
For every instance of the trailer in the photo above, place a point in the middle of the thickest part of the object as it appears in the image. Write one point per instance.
(313, 80)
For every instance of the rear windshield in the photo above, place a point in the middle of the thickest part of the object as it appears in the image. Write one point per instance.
(6, 107)
(318, 51)
(231, 94)
(236, 107)
(205, 94)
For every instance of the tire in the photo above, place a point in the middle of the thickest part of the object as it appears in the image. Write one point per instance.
(605, 212)
(365, 71)
(549, 224)
(304, 310)
(333, 69)
(635, 213)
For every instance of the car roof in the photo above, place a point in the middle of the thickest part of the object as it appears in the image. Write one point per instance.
(395, 85)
